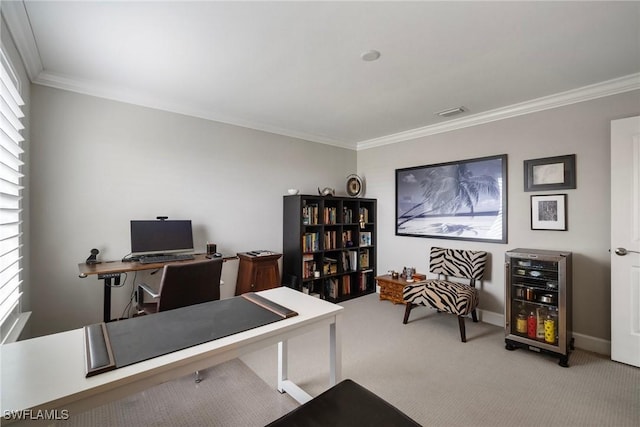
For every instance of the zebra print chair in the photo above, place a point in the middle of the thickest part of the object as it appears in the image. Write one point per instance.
(446, 295)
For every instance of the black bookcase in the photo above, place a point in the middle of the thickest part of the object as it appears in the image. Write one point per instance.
(329, 245)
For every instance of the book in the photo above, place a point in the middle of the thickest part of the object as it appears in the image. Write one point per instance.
(308, 266)
(365, 238)
(353, 260)
(330, 215)
(333, 288)
(364, 258)
(347, 215)
(330, 266)
(330, 240)
(311, 242)
(310, 214)
(346, 285)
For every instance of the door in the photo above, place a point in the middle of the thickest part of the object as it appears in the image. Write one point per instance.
(625, 241)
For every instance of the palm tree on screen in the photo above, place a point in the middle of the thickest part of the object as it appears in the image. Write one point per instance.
(447, 189)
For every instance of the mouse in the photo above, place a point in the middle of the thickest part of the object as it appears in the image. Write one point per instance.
(215, 255)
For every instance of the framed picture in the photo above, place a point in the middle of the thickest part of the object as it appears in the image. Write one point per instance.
(464, 200)
(549, 212)
(550, 173)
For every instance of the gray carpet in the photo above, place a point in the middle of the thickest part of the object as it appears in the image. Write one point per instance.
(230, 394)
(422, 368)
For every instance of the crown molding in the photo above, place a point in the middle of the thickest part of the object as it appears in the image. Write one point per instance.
(586, 93)
(17, 20)
(19, 26)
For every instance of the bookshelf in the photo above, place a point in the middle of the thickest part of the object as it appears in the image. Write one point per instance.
(329, 245)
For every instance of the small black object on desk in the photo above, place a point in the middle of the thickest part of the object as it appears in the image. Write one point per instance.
(93, 258)
(214, 255)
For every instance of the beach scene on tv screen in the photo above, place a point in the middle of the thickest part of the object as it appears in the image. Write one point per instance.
(453, 200)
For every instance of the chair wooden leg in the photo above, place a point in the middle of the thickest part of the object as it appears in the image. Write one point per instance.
(407, 311)
(474, 316)
(463, 335)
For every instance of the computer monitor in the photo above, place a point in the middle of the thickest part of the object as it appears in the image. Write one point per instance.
(161, 237)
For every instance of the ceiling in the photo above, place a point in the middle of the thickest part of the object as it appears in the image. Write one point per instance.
(295, 68)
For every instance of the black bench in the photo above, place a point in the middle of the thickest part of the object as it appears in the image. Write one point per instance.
(345, 404)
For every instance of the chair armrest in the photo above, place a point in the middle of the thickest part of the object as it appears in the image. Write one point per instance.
(148, 290)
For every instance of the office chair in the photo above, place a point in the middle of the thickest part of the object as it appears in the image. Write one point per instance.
(183, 284)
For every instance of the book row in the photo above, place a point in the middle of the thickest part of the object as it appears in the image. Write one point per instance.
(311, 215)
(348, 261)
(343, 286)
(311, 240)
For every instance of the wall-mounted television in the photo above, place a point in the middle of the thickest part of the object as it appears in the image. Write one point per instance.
(464, 200)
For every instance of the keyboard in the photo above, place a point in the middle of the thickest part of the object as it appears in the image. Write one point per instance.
(152, 259)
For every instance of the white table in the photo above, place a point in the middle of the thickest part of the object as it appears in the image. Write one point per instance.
(48, 372)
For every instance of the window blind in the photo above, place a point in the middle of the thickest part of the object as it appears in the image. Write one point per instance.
(10, 194)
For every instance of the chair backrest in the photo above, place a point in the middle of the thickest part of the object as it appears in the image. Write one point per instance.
(189, 283)
(458, 263)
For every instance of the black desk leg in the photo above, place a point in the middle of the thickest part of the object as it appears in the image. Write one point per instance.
(107, 300)
(107, 295)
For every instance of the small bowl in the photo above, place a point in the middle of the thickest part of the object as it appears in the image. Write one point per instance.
(292, 191)
(548, 298)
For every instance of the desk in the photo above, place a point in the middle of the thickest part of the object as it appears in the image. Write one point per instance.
(48, 372)
(111, 270)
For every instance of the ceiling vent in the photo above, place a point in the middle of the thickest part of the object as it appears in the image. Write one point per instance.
(451, 112)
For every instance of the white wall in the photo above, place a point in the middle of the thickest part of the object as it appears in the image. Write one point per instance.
(91, 157)
(96, 164)
(581, 129)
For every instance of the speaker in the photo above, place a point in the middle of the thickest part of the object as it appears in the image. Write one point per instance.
(93, 258)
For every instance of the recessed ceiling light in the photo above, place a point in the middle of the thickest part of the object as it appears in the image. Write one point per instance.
(370, 55)
(451, 112)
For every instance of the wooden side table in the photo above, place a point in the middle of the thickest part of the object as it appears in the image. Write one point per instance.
(257, 272)
(391, 289)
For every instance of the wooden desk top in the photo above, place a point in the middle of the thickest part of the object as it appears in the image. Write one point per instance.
(264, 256)
(106, 267)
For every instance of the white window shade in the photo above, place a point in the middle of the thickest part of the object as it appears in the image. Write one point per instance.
(10, 193)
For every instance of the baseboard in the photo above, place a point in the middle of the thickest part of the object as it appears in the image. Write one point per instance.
(584, 342)
(496, 319)
(589, 343)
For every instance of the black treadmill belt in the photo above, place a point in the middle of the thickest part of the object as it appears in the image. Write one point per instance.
(140, 338)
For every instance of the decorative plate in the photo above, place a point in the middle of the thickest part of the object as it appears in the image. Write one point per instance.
(354, 185)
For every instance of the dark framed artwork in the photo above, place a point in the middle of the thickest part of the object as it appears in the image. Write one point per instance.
(549, 212)
(463, 200)
(550, 173)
